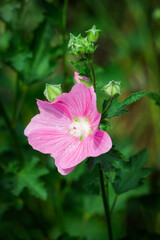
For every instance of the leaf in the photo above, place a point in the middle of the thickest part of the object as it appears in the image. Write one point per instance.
(91, 184)
(8, 9)
(19, 60)
(105, 125)
(117, 108)
(106, 162)
(29, 177)
(155, 97)
(32, 14)
(44, 61)
(129, 175)
(83, 71)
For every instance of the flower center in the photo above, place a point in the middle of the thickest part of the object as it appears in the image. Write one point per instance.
(80, 128)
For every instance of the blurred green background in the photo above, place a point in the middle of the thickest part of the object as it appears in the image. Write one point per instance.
(36, 202)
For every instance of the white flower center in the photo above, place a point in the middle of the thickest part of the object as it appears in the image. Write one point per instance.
(80, 128)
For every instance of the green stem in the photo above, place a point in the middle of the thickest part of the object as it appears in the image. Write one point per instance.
(12, 132)
(105, 199)
(114, 203)
(93, 73)
(108, 106)
(64, 17)
(88, 71)
(106, 203)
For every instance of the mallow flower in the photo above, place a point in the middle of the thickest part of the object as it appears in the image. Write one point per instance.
(67, 128)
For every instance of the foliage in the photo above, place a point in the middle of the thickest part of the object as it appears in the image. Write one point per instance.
(35, 201)
(106, 162)
(129, 175)
(118, 107)
(28, 177)
(83, 71)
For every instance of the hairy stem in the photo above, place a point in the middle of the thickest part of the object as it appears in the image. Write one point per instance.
(93, 73)
(106, 203)
(104, 197)
(108, 106)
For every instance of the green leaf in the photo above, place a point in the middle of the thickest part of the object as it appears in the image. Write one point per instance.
(44, 61)
(155, 97)
(106, 162)
(83, 71)
(117, 108)
(20, 59)
(29, 177)
(129, 175)
(8, 9)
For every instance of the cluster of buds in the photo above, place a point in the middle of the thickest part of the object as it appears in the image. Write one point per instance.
(80, 46)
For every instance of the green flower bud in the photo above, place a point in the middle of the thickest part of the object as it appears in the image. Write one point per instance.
(112, 89)
(93, 34)
(52, 91)
(79, 45)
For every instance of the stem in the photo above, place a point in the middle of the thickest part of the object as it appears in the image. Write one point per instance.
(88, 71)
(64, 14)
(106, 203)
(12, 132)
(105, 199)
(93, 73)
(108, 106)
(114, 203)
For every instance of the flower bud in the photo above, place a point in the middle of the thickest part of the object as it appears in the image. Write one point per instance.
(112, 89)
(52, 91)
(93, 34)
(79, 45)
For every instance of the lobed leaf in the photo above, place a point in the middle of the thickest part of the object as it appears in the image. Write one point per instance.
(118, 107)
(129, 175)
(29, 177)
(106, 162)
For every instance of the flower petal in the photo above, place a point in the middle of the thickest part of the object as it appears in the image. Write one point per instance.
(77, 77)
(82, 102)
(78, 100)
(64, 171)
(94, 115)
(52, 116)
(92, 146)
(76, 155)
(99, 144)
(51, 141)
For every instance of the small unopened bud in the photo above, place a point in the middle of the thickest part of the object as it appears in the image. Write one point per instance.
(93, 34)
(52, 91)
(112, 89)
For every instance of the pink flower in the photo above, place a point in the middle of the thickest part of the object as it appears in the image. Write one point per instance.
(77, 77)
(67, 128)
